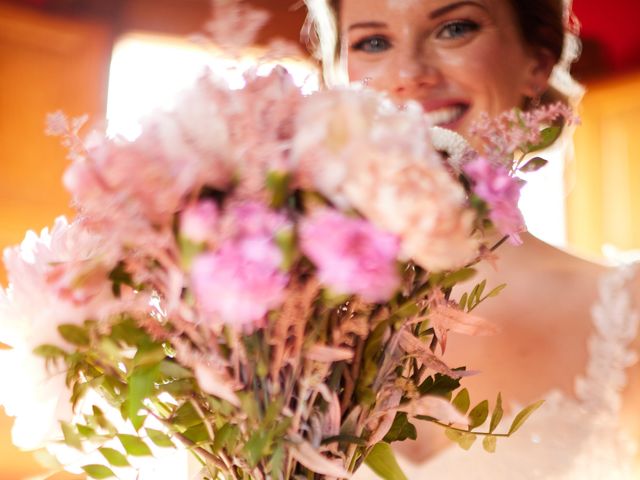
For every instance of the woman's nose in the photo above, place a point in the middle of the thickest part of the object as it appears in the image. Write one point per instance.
(413, 75)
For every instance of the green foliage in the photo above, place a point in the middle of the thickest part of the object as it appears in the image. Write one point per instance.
(71, 435)
(134, 445)
(478, 415)
(401, 429)
(548, 136)
(75, 335)
(439, 385)
(458, 277)
(278, 187)
(534, 165)
(489, 443)
(521, 417)
(462, 401)
(114, 457)
(469, 301)
(159, 438)
(119, 277)
(98, 471)
(383, 462)
(497, 414)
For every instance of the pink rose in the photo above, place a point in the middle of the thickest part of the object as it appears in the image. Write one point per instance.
(352, 255)
(241, 282)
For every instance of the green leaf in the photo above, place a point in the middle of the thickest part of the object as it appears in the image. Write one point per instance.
(133, 445)
(489, 443)
(478, 415)
(278, 186)
(496, 291)
(497, 414)
(159, 438)
(49, 351)
(440, 385)
(344, 438)
(197, 434)
(71, 436)
(277, 462)
(114, 457)
(172, 369)
(401, 429)
(453, 435)
(188, 251)
(463, 301)
(286, 241)
(523, 415)
(226, 438)
(534, 165)
(186, 416)
(383, 462)
(98, 471)
(119, 276)
(141, 383)
(74, 334)
(467, 440)
(458, 277)
(149, 355)
(462, 401)
(256, 447)
(85, 431)
(547, 137)
(127, 332)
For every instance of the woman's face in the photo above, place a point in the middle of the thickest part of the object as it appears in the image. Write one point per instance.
(457, 58)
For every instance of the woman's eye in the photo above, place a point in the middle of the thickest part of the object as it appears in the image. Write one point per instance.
(457, 29)
(373, 44)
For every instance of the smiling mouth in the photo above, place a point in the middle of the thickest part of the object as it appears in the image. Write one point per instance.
(447, 117)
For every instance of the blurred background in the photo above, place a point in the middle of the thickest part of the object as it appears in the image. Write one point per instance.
(117, 59)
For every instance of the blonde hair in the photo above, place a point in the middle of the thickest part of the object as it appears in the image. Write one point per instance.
(322, 35)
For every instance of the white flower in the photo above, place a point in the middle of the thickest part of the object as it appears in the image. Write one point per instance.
(452, 144)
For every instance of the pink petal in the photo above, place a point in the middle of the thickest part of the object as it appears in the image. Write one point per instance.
(212, 382)
(308, 456)
(325, 354)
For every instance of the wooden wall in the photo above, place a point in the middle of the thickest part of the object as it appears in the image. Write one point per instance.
(603, 205)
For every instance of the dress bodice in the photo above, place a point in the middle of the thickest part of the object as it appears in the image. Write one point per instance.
(577, 438)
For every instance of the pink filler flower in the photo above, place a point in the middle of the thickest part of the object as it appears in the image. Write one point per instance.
(493, 184)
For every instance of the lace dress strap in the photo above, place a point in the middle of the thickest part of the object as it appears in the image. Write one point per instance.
(616, 325)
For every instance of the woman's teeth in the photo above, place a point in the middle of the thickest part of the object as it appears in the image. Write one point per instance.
(445, 116)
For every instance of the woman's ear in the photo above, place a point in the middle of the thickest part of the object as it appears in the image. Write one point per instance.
(539, 71)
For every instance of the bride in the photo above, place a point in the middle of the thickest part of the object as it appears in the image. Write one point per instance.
(569, 328)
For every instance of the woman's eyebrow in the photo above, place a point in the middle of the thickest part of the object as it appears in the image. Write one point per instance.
(367, 25)
(453, 6)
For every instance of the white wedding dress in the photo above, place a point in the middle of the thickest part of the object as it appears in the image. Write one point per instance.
(567, 438)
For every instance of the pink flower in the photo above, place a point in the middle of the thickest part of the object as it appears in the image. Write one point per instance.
(241, 282)
(254, 218)
(516, 130)
(493, 184)
(352, 255)
(198, 221)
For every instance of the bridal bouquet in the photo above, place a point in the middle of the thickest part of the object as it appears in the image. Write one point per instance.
(262, 278)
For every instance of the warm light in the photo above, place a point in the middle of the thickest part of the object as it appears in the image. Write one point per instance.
(543, 199)
(148, 71)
